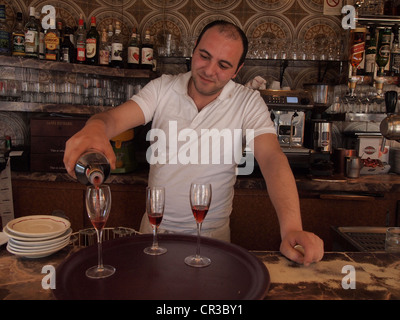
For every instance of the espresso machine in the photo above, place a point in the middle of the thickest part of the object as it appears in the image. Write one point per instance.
(289, 109)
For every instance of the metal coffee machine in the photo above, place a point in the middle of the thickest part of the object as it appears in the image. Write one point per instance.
(290, 127)
(289, 111)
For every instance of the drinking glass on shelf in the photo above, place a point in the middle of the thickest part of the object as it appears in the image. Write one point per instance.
(98, 205)
(200, 199)
(155, 200)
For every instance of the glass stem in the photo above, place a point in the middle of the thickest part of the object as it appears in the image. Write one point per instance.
(155, 241)
(198, 241)
(99, 248)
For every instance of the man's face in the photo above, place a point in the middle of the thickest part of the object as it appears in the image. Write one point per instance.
(215, 62)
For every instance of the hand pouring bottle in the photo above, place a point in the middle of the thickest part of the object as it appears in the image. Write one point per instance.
(92, 168)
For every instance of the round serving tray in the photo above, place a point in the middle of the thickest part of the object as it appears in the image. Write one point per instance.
(234, 273)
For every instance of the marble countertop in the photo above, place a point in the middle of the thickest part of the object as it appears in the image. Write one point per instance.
(374, 275)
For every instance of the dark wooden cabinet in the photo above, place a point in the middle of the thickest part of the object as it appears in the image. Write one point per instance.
(254, 224)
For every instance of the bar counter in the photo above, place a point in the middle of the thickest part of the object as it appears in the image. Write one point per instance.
(366, 183)
(376, 276)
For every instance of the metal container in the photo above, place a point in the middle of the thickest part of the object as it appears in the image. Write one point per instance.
(322, 93)
(323, 136)
(353, 167)
(390, 127)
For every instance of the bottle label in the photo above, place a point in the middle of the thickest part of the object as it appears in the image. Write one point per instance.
(4, 42)
(80, 54)
(51, 41)
(116, 52)
(30, 36)
(90, 47)
(359, 47)
(369, 63)
(65, 55)
(133, 55)
(396, 63)
(104, 57)
(19, 45)
(384, 51)
(147, 56)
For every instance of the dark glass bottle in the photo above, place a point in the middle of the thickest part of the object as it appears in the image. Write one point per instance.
(18, 38)
(5, 35)
(383, 50)
(92, 43)
(32, 36)
(117, 48)
(104, 51)
(133, 52)
(147, 52)
(52, 42)
(67, 53)
(395, 52)
(92, 168)
(370, 53)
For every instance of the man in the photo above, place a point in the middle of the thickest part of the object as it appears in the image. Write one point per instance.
(190, 105)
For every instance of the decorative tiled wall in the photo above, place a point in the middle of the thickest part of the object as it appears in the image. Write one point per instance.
(283, 19)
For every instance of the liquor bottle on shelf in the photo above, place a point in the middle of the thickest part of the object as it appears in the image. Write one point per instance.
(147, 52)
(133, 52)
(357, 48)
(60, 31)
(5, 36)
(395, 52)
(81, 42)
(92, 168)
(92, 43)
(110, 34)
(383, 50)
(32, 36)
(52, 42)
(18, 38)
(370, 53)
(67, 53)
(104, 51)
(40, 36)
(117, 48)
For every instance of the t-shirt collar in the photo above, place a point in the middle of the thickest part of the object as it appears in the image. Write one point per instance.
(182, 84)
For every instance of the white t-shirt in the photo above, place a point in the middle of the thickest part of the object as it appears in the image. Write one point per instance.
(180, 156)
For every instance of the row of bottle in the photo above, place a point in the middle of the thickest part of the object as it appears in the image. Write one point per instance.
(375, 51)
(85, 47)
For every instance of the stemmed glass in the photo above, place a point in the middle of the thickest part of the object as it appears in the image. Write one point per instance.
(155, 200)
(200, 199)
(98, 205)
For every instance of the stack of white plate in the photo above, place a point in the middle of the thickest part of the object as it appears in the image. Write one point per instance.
(37, 236)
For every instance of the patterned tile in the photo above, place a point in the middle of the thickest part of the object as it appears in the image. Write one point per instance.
(293, 20)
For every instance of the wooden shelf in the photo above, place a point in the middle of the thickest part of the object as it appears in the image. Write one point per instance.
(17, 106)
(20, 62)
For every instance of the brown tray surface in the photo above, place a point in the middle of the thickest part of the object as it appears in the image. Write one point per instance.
(234, 272)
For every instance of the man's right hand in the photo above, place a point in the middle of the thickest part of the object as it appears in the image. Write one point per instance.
(93, 137)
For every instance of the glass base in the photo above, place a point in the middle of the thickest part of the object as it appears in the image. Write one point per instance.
(155, 251)
(197, 262)
(98, 273)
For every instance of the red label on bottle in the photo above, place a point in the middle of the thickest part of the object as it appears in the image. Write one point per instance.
(80, 54)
